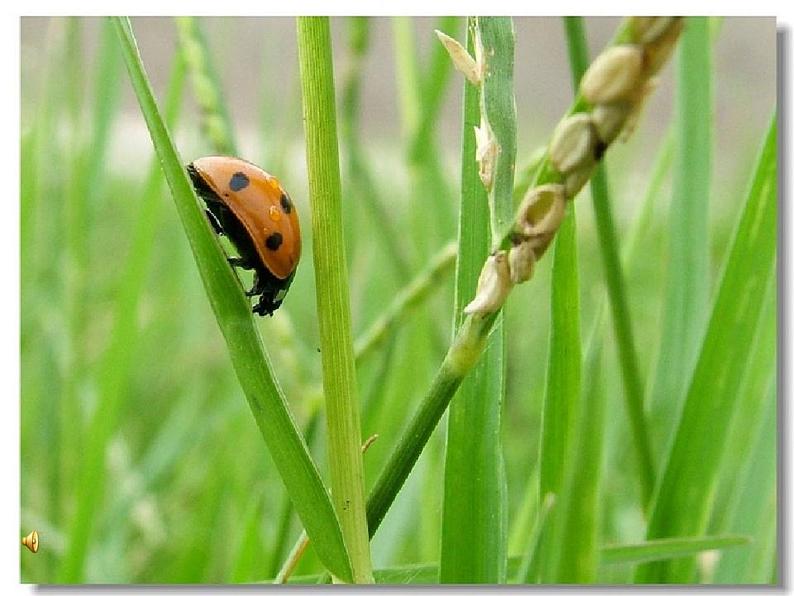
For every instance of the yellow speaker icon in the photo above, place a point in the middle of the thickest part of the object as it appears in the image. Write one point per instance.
(32, 541)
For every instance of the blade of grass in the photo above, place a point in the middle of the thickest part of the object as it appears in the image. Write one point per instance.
(528, 571)
(426, 573)
(407, 298)
(362, 184)
(666, 548)
(243, 341)
(685, 307)
(563, 373)
(754, 511)
(333, 298)
(85, 189)
(750, 411)
(474, 483)
(684, 495)
(576, 553)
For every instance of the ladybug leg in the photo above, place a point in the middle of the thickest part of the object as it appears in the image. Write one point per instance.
(257, 289)
(216, 225)
(240, 262)
(262, 308)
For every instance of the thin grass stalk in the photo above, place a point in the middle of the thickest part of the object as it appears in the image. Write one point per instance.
(563, 391)
(248, 355)
(333, 299)
(362, 184)
(685, 308)
(466, 348)
(406, 299)
(684, 496)
(474, 481)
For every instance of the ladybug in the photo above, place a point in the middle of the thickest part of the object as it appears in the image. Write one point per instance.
(250, 207)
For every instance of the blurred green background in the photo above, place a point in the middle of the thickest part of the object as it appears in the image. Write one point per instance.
(190, 494)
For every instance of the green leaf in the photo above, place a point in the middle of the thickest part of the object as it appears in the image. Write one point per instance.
(474, 482)
(685, 308)
(233, 314)
(754, 510)
(684, 496)
(563, 387)
(666, 548)
(80, 202)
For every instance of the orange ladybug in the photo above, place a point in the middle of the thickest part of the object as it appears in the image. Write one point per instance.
(250, 207)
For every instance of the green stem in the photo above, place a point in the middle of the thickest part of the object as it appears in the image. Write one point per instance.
(463, 354)
(616, 285)
(333, 300)
(405, 299)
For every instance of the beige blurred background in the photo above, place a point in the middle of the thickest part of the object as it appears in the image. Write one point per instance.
(252, 54)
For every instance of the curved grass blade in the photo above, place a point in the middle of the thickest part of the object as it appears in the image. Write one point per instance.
(243, 341)
(685, 492)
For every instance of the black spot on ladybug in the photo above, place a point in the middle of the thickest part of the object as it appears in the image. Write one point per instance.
(286, 204)
(274, 241)
(239, 181)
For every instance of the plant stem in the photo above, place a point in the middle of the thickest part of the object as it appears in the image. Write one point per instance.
(333, 300)
(616, 286)
(405, 299)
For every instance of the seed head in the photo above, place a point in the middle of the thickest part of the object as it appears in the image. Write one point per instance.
(541, 211)
(461, 59)
(521, 259)
(493, 286)
(648, 29)
(613, 75)
(609, 118)
(486, 153)
(573, 143)
(576, 179)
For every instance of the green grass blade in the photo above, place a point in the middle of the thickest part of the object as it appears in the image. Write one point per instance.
(116, 360)
(684, 495)
(86, 187)
(405, 300)
(474, 484)
(686, 305)
(528, 571)
(616, 290)
(750, 412)
(333, 295)
(755, 511)
(576, 550)
(363, 189)
(563, 384)
(232, 312)
(666, 548)
(426, 573)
